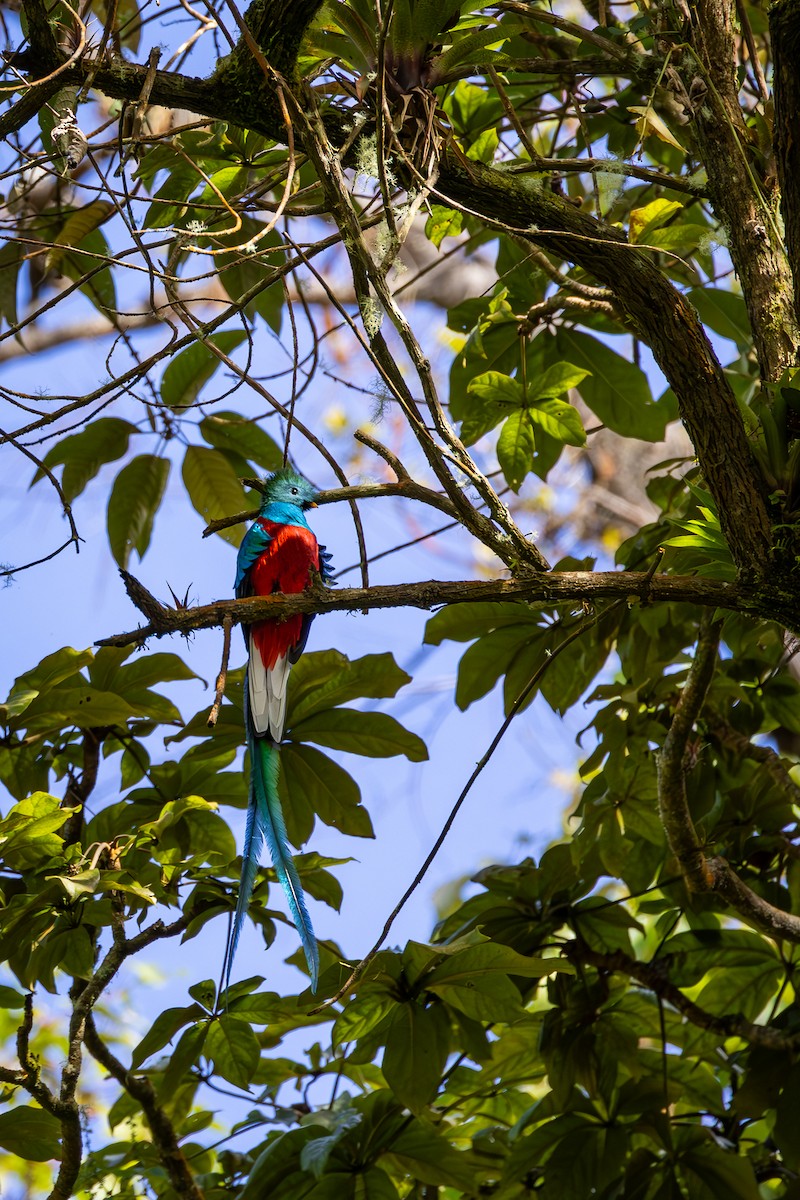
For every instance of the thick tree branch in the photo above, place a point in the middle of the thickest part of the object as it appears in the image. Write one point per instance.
(725, 735)
(784, 21)
(660, 316)
(656, 310)
(142, 1091)
(740, 195)
(704, 874)
(546, 590)
(672, 762)
(654, 976)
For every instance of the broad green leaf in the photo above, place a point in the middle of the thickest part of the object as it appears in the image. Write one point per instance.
(374, 734)
(417, 1044)
(369, 1009)
(230, 431)
(615, 389)
(214, 488)
(420, 1150)
(30, 1133)
(76, 228)
(309, 777)
(725, 313)
(185, 1056)
(277, 1168)
(497, 388)
(164, 1028)
(234, 1048)
(555, 381)
(87, 266)
(724, 1172)
(190, 371)
(251, 267)
(54, 668)
(483, 664)
(10, 262)
(464, 622)
(560, 420)
(132, 506)
(516, 446)
(443, 222)
(85, 707)
(490, 959)
(83, 454)
(327, 678)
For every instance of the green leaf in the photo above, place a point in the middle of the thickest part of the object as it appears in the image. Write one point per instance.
(76, 229)
(164, 1028)
(54, 668)
(555, 381)
(230, 431)
(725, 313)
(214, 488)
(234, 1048)
(498, 388)
(443, 222)
(491, 958)
(417, 1044)
(516, 447)
(10, 262)
(616, 390)
(326, 678)
(726, 1174)
(190, 371)
(483, 664)
(83, 454)
(133, 504)
(464, 622)
(31, 1134)
(365, 1013)
(560, 420)
(374, 734)
(424, 1154)
(87, 267)
(332, 793)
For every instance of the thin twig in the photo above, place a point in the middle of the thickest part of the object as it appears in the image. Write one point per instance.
(222, 678)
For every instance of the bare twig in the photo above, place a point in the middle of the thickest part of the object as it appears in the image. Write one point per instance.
(227, 625)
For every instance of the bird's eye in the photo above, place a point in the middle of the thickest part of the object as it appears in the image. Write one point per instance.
(294, 491)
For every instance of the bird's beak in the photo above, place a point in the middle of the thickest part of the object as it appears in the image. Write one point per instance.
(312, 504)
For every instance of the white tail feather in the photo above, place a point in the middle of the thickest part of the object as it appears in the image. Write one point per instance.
(277, 679)
(258, 690)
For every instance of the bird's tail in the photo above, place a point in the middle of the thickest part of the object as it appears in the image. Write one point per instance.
(265, 823)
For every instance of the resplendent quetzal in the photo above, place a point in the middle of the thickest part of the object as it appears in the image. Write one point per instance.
(278, 554)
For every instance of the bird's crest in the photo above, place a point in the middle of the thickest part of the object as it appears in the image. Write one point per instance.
(287, 487)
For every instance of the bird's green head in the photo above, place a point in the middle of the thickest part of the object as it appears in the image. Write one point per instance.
(287, 487)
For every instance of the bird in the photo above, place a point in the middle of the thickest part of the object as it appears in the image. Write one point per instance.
(279, 553)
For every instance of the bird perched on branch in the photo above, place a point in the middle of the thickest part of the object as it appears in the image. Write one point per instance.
(279, 553)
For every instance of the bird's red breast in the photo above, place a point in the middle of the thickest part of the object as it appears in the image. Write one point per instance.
(282, 567)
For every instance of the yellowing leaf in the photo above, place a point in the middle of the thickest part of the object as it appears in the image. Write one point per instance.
(650, 123)
(651, 216)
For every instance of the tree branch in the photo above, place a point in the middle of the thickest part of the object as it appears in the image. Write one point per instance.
(784, 23)
(654, 977)
(704, 874)
(740, 194)
(660, 316)
(672, 800)
(557, 588)
(142, 1091)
